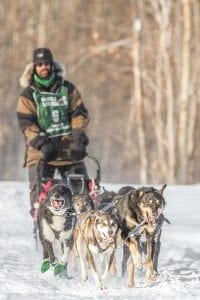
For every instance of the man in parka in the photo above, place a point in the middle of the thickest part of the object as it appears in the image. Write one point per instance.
(53, 119)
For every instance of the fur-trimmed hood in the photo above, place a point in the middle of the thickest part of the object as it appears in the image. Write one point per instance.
(26, 77)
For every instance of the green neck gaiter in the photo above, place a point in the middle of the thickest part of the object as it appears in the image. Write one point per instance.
(44, 82)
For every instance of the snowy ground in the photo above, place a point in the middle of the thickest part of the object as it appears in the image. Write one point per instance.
(179, 262)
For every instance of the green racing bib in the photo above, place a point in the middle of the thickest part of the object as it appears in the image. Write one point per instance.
(53, 111)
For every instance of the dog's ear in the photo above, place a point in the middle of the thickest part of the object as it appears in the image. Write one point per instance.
(98, 213)
(134, 195)
(162, 189)
(139, 193)
(97, 216)
(129, 194)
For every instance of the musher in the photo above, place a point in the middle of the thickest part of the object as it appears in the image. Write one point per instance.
(53, 119)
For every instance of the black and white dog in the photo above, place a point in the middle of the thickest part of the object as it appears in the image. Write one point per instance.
(56, 223)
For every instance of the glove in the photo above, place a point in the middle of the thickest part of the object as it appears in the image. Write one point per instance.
(44, 144)
(79, 136)
(48, 151)
(77, 149)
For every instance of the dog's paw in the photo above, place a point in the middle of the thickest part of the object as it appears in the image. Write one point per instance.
(54, 263)
(45, 265)
(84, 278)
(130, 285)
(101, 287)
(151, 276)
(84, 275)
(59, 268)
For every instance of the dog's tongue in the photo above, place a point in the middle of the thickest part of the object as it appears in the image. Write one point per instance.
(110, 239)
(151, 221)
(57, 203)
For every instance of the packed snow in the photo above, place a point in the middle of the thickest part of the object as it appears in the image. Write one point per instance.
(179, 261)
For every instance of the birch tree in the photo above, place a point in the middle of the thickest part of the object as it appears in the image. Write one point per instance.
(184, 92)
(161, 13)
(138, 101)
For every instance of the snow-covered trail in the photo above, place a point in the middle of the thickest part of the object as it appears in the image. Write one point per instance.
(179, 261)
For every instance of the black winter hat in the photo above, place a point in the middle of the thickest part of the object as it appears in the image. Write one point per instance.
(41, 55)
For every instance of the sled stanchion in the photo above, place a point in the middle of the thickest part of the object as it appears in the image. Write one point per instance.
(98, 174)
(76, 178)
(35, 235)
(94, 183)
(40, 167)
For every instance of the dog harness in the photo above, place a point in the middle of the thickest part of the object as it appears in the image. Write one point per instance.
(100, 249)
(137, 230)
(67, 214)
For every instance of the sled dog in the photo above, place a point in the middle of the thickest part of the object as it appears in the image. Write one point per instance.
(82, 203)
(104, 199)
(56, 223)
(138, 212)
(98, 234)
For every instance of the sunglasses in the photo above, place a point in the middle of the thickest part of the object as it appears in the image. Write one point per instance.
(43, 63)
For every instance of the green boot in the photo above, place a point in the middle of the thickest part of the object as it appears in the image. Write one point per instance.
(59, 268)
(45, 265)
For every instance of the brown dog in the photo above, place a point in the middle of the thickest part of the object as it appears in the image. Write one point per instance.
(82, 203)
(138, 213)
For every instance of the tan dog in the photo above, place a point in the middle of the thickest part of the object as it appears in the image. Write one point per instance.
(83, 205)
(98, 234)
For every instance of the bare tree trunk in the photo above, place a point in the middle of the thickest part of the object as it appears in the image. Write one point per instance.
(192, 113)
(30, 32)
(162, 11)
(184, 94)
(159, 130)
(164, 97)
(166, 10)
(43, 14)
(138, 101)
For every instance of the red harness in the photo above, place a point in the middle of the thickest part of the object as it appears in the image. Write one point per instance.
(42, 196)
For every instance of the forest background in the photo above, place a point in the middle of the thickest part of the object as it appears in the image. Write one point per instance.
(136, 64)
